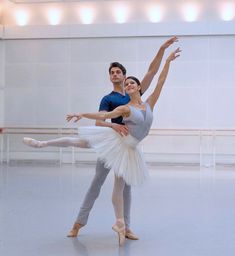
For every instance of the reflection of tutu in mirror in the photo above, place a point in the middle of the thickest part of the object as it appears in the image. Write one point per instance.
(120, 154)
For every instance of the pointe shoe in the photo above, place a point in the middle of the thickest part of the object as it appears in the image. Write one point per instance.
(130, 235)
(121, 233)
(74, 231)
(32, 142)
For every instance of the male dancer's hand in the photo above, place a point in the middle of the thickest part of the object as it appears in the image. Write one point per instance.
(121, 129)
(170, 42)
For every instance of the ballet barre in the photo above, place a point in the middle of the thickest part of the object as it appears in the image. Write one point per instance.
(222, 133)
(206, 141)
(7, 132)
(1, 145)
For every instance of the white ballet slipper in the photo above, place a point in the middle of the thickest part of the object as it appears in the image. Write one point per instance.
(32, 142)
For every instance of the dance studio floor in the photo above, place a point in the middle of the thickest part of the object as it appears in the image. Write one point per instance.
(181, 211)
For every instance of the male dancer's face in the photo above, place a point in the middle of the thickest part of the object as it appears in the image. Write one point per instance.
(116, 76)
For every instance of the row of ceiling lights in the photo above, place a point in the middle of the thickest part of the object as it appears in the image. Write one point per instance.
(155, 13)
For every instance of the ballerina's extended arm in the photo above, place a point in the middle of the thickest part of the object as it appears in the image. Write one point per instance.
(152, 99)
(119, 111)
(155, 64)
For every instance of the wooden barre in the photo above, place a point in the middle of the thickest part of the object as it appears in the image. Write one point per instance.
(160, 131)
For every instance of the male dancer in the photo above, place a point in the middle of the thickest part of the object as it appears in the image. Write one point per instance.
(117, 74)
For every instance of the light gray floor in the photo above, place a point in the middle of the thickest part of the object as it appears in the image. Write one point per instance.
(180, 211)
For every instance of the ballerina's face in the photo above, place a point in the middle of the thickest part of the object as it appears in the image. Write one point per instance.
(131, 86)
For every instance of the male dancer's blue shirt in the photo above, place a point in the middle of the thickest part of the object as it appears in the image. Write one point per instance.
(111, 101)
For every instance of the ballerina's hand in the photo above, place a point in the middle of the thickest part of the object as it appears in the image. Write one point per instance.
(170, 42)
(76, 117)
(174, 54)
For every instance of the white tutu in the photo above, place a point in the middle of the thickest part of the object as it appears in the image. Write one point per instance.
(120, 154)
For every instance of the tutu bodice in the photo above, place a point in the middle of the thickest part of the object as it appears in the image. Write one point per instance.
(139, 121)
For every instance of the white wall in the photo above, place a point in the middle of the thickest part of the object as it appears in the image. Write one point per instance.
(2, 84)
(2, 67)
(57, 76)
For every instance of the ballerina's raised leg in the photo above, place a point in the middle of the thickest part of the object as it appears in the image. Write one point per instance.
(59, 142)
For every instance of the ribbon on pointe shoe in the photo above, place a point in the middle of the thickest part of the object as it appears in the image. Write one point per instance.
(121, 233)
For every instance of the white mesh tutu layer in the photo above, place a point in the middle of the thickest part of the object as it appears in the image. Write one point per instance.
(120, 154)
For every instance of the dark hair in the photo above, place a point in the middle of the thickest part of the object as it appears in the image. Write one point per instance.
(136, 80)
(133, 78)
(117, 65)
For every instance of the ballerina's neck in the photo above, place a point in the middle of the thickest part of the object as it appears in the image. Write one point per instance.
(136, 101)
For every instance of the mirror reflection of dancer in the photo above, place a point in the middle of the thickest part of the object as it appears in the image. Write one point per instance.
(118, 153)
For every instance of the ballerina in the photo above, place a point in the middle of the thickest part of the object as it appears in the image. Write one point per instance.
(119, 153)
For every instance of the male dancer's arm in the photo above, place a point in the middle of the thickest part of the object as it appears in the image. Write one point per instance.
(103, 122)
(119, 128)
(155, 64)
